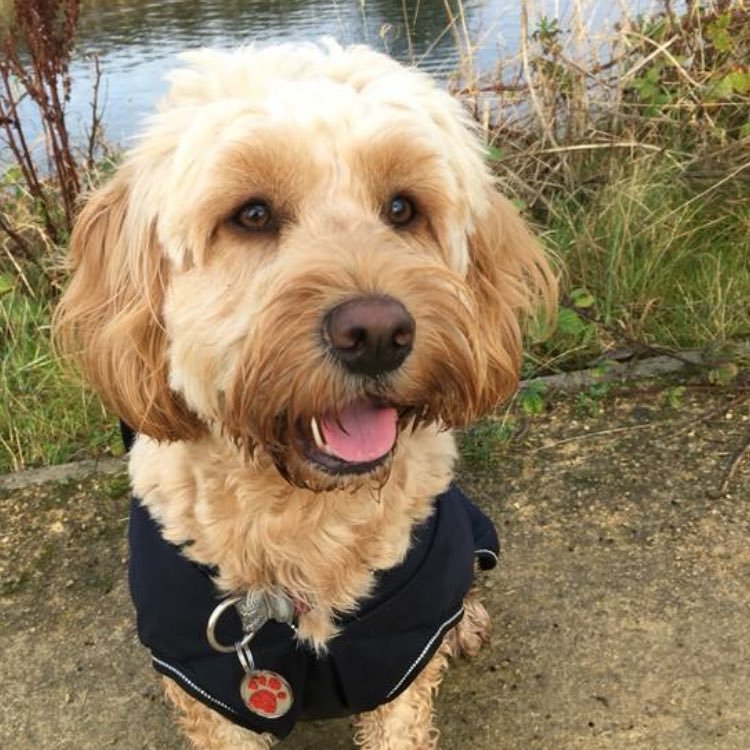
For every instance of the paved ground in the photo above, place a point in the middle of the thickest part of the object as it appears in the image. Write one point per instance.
(621, 607)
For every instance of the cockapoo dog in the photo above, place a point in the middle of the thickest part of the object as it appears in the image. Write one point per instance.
(296, 283)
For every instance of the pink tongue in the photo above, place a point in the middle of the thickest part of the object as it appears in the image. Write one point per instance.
(368, 433)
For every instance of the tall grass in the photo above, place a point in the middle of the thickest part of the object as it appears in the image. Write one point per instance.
(664, 262)
(631, 150)
(46, 416)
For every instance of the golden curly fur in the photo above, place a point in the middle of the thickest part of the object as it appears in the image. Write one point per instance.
(204, 334)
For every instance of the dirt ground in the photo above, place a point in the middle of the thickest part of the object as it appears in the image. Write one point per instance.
(621, 606)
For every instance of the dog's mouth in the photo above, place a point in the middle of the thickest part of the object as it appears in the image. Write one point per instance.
(355, 439)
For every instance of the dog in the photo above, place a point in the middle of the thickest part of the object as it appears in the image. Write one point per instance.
(297, 282)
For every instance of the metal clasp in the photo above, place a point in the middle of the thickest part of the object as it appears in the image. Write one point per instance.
(213, 621)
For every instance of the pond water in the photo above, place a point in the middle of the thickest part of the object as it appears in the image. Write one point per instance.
(137, 41)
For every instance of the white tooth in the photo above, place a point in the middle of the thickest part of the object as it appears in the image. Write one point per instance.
(319, 442)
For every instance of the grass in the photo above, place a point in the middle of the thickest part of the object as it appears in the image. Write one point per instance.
(662, 261)
(632, 152)
(635, 167)
(46, 415)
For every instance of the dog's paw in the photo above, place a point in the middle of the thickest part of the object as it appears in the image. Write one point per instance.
(267, 694)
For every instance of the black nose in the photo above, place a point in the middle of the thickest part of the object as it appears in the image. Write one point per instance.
(369, 335)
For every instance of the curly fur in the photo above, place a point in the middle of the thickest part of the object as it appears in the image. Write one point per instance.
(206, 337)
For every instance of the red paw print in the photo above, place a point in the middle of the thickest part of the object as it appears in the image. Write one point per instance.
(266, 694)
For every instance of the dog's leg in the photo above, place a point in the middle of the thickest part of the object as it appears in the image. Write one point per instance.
(473, 631)
(407, 723)
(208, 730)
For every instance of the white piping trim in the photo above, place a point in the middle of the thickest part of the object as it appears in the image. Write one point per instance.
(438, 633)
(195, 687)
(487, 552)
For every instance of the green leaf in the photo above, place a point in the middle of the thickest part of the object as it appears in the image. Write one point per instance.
(600, 370)
(723, 42)
(673, 396)
(582, 298)
(11, 176)
(531, 401)
(493, 153)
(646, 90)
(568, 322)
(723, 87)
(717, 33)
(740, 82)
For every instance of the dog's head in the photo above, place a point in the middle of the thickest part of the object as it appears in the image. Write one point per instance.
(306, 254)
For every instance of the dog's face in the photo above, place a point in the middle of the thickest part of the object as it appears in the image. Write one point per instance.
(305, 254)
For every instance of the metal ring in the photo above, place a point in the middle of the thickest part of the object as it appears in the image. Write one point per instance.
(245, 655)
(213, 622)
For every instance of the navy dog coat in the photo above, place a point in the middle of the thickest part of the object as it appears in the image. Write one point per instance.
(378, 652)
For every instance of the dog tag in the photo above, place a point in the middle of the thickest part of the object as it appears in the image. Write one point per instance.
(266, 693)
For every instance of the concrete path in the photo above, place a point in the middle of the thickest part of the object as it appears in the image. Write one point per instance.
(621, 607)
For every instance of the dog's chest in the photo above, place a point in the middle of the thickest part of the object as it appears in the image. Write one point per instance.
(321, 550)
(258, 532)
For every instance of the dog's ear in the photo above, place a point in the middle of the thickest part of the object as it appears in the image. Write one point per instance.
(109, 318)
(509, 276)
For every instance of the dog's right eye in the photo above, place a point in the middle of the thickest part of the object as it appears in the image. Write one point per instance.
(255, 215)
(400, 211)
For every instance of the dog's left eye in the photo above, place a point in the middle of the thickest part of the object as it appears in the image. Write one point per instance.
(255, 215)
(400, 211)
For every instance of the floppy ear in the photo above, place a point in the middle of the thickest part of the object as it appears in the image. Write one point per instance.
(509, 276)
(109, 319)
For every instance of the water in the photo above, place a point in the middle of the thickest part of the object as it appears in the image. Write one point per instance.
(138, 41)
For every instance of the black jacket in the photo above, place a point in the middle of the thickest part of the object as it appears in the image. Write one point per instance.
(379, 651)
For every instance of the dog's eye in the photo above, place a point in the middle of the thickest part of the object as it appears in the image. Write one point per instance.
(400, 211)
(254, 215)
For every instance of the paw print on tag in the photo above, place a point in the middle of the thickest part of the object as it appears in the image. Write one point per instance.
(266, 694)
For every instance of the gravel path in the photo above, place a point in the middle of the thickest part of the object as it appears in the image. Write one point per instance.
(621, 605)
